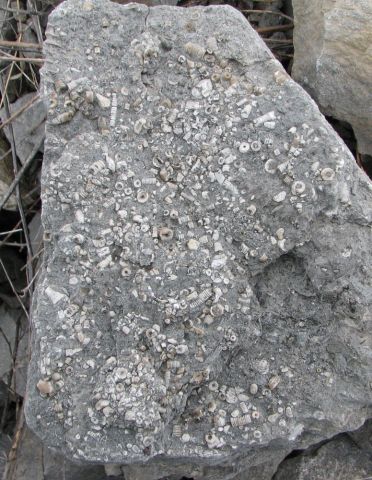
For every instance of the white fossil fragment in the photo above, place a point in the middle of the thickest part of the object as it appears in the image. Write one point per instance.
(206, 87)
(103, 102)
(55, 296)
(280, 197)
(264, 118)
(79, 215)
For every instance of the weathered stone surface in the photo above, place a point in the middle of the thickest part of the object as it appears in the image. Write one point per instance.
(6, 174)
(363, 436)
(13, 263)
(5, 443)
(13, 336)
(32, 460)
(203, 304)
(339, 459)
(28, 127)
(6, 21)
(333, 60)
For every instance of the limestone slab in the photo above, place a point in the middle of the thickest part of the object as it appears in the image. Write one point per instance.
(203, 303)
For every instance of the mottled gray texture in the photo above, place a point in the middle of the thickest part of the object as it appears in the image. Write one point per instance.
(6, 174)
(333, 60)
(13, 264)
(6, 22)
(12, 338)
(5, 443)
(33, 461)
(339, 459)
(206, 230)
(28, 127)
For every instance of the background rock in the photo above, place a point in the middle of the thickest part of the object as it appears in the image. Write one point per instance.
(333, 60)
(363, 437)
(31, 460)
(5, 443)
(6, 174)
(28, 127)
(13, 263)
(338, 459)
(36, 233)
(14, 353)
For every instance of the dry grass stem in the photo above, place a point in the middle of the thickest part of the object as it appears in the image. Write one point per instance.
(270, 12)
(13, 289)
(20, 111)
(22, 59)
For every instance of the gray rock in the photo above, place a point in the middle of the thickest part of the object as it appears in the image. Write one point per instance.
(28, 127)
(151, 3)
(32, 460)
(11, 267)
(13, 337)
(338, 459)
(5, 443)
(363, 436)
(36, 234)
(203, 307)
(6, 174)
(26, 184)
(333, 61)
(6, 21)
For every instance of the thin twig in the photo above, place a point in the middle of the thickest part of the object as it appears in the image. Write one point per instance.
(20, 45)
(270, 12)
(17, 189)
(30, 194)
(14, 244)
(18, 224)
(10, 467)
(19, 11)
(6, 341)
(11, 231)
(22, 59)
(24, 74)
(275, 28)
(20, 174)
(358, 159)
(8, 78)
(20, 111)
(7, 401)
(13, 288)
(29, 51)
(12, 372)
(34, 257)
(26, 289)
(36, 21)
(5, 154)
(284, 41)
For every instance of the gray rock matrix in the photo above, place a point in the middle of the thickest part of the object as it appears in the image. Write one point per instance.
(333, 60)
(203, 305)
(347, 456)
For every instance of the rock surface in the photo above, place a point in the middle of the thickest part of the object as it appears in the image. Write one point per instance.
(203, 304)
(5, 443)
(333, 60)
(6, 174)
(13, 336)
(28, 127)
(32, 460)
(342, 458)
